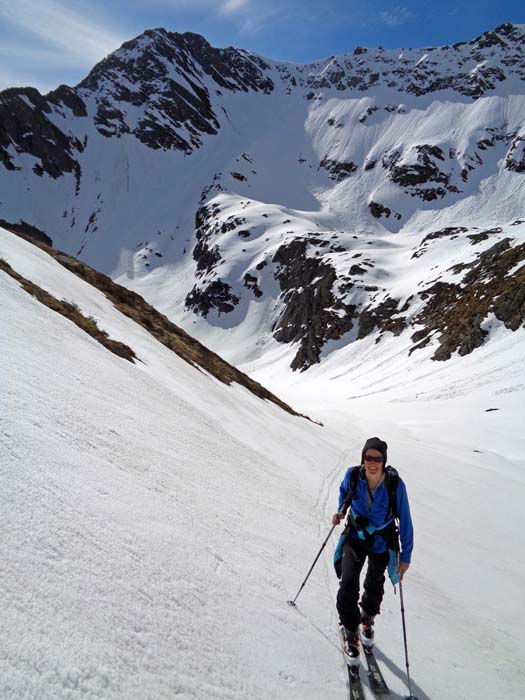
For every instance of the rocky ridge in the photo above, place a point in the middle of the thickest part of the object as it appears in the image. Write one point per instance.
(464, 67)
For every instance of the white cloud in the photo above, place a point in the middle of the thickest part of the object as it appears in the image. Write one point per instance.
(396, 15)
(248, 16)
(219, 6)
(231, 6)
(74, 32)
(30, 55)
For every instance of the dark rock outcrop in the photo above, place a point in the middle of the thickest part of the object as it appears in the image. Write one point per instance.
(422, 171)
(205, 253)
(379, 210)
(215, 295)
(312, 314)
(455, 311)
(384, 317)
(338, 170)
(515, 159)
(26, 127)
(252, 282)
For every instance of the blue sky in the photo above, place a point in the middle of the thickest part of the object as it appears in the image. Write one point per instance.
(47, 42)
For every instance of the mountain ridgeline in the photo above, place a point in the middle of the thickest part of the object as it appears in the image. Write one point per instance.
(376, 192)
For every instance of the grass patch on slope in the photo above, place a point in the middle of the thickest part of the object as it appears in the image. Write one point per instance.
(70, 311)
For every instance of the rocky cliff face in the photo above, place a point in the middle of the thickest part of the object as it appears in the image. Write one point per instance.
(493, 284)
(310, 191)
(27, 129)
(168, 78)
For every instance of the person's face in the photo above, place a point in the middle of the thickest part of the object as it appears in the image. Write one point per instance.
(373, 463)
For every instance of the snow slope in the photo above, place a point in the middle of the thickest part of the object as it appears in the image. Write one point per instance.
(155, 521)
(149, 535)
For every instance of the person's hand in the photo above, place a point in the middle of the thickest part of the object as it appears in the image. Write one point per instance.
(336, 518)
(403, 566)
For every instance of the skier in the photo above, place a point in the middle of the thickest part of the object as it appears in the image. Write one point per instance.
(375, 495)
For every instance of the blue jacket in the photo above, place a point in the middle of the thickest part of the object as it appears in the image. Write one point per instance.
(377, 514)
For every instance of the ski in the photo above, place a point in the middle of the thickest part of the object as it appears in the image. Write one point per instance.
(354, 683)
(353, 665)
(377, 682)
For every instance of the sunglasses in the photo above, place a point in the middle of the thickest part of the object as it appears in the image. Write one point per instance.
(376, 460)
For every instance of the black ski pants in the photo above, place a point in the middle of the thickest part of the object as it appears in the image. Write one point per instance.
(354, 556)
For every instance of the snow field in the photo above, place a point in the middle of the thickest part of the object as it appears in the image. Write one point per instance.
(154, 525)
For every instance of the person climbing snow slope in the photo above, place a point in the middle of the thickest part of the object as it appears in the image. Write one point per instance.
(374, 497)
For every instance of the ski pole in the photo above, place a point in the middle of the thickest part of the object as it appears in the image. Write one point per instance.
(292, 602)
(410, 696)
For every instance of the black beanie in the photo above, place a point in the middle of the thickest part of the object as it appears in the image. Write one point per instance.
(375, 443)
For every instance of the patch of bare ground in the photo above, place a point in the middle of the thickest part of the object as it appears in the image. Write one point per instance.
(71, 311)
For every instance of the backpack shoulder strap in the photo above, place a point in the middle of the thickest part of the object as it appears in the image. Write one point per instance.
(354, 478)
(392, 481)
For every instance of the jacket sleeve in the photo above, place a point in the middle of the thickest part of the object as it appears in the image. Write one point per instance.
(406, 531)
(344, 488)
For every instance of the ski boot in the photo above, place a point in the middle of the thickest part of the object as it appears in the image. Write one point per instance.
(350, 645)
(367, 630)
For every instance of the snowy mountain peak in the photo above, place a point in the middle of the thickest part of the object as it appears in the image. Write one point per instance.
(160, 88)
(266, 204)
(159, 55)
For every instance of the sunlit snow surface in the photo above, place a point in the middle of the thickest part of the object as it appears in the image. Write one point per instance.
(156, 521)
